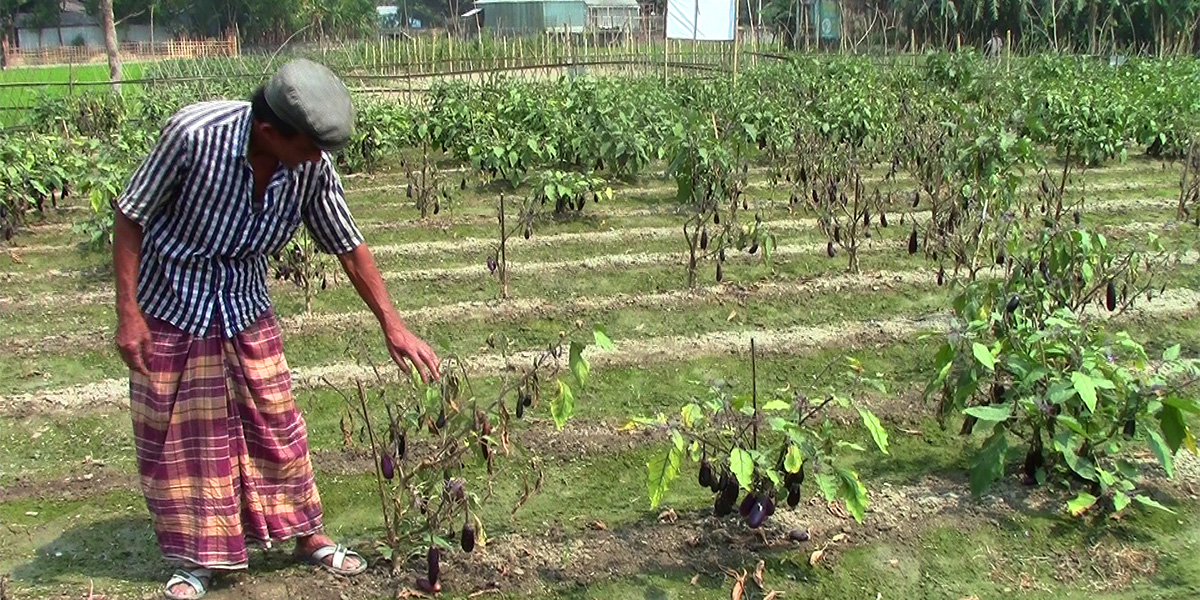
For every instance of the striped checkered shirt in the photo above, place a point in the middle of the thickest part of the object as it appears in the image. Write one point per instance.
(205, 240)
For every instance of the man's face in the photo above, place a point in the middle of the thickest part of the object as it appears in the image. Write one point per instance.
(291, 151)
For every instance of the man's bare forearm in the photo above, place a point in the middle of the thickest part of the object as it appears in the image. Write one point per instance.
(360, 268)
(127, 250)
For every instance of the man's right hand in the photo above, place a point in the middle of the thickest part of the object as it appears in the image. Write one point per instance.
(133, 340)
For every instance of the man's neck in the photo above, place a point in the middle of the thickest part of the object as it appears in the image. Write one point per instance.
(256, 154)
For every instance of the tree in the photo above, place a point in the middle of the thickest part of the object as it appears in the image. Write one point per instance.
(110, 44)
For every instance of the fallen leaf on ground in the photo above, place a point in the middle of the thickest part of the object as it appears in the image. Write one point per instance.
(837, 538)
(773, 595)
(668, 516)
(598, 525)
(696, 579)
(816, 556)
(836, 510)
(758, 574)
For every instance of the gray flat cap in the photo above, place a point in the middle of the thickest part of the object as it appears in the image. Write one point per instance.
(311, 98)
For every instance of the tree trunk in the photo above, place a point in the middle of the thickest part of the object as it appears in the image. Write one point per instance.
(110, 44)
(3, 50)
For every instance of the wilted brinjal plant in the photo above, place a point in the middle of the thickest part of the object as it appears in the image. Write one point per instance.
(1027, 357)
(846, 205)
(970, 226)
(1189, 185)
(301, 263)
(425, 187)
(765, 449)
(711, 181)
(424, 439)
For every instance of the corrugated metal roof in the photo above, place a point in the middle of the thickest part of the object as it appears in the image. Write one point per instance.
(612, 3)
(591, 3)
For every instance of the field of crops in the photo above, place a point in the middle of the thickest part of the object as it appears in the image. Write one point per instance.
(833, 330)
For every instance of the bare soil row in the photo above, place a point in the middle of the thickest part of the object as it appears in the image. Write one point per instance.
(654, 350)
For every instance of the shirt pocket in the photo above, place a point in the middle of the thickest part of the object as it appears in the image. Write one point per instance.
(279, 225)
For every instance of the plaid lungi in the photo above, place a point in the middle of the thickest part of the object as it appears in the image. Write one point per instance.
(222, 449)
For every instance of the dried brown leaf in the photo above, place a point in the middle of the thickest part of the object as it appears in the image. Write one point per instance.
(838, 538)
(773, 595)
(836, 510)
(816, 556)
(598, 525)
(758, 574)
(739, 587)
(696, 579)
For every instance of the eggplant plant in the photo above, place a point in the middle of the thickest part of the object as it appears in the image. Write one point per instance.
(1029, 359)
(425, 439)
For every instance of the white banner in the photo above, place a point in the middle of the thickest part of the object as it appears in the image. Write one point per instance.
(708, 20)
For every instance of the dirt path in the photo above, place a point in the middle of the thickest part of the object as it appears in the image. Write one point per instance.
(482, 245)
(476, 244)
(629, 352)
(523, 308)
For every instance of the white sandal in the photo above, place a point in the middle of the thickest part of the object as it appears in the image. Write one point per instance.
(191, 577)
(339, 553)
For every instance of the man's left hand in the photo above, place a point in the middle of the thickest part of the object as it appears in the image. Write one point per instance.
(406, 347)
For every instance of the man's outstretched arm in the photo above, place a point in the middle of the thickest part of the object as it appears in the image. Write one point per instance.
(360, 267)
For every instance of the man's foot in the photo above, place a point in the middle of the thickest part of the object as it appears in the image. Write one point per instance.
(322, 550)
(188, 583)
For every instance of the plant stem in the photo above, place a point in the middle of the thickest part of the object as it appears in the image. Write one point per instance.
(754, 389)
(503, 260)
(362, 399)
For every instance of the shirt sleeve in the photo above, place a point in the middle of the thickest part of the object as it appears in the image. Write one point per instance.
(327, 217)
(155, 181)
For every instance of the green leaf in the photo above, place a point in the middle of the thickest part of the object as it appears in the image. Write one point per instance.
(1148, 501)
(1085, 388)
(852, 491)
(793, 460)
(678, 440)
(1160, 449)
(602, 340)
(776, 405)
(829, 486)
(1082, 465)
(878, 433)
(1120, 501)
(579, 364)
(1171, 353)
(1191, 405)
(662, 469)
(984, 356)
(987, 465)
(1106, 478)
(1081, 503)
(563, 405)
(1174, 428)
(691, 414)
(992, 414)
(1071, 423)
(742, 465)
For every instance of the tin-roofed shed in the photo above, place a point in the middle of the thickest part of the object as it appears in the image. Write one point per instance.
(571, 16)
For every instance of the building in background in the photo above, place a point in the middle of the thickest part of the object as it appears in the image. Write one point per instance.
(75, 27)
(521, 17)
